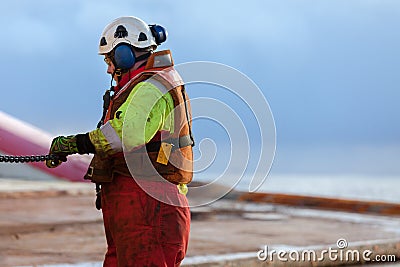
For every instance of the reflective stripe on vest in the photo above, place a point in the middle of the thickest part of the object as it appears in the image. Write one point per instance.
(112, 137)
(158, 85)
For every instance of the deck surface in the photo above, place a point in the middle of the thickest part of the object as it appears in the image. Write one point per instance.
(58, 224)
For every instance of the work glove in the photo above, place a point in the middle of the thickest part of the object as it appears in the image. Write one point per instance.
(62, 146)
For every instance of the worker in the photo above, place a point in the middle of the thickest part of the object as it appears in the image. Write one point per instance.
(142, 148)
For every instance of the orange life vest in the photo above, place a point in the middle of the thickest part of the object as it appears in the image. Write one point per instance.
(144, 163)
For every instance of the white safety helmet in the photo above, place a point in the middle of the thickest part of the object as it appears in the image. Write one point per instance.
(129, 30)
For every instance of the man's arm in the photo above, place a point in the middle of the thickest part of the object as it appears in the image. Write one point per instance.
(144, 113)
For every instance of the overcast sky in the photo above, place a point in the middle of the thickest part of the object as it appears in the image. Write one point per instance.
(329, 69)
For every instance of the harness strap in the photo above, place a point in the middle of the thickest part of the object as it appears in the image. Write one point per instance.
(176, 143)
(187, 116)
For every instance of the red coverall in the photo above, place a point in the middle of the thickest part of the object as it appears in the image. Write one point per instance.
(140, 230)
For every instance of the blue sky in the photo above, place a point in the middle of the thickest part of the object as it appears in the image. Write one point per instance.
(329, 69)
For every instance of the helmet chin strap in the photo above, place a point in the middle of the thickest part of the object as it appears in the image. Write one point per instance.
(117, 73)
(112, 78)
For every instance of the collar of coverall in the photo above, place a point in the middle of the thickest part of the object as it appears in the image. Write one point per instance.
(157, 60)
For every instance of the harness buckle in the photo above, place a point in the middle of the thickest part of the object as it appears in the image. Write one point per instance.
(90, 171)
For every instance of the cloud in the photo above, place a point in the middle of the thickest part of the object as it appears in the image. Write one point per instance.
(328, 68)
